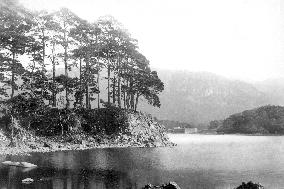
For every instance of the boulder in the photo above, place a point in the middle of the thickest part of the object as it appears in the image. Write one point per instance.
(27, 181)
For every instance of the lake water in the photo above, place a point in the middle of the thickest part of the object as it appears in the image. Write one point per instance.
(199, 161)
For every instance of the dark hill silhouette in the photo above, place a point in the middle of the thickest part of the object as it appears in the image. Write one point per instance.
(263, 120)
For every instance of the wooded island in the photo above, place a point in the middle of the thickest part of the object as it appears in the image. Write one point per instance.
(36, 99)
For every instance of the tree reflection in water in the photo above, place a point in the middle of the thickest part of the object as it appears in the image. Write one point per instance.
(69, 170)
(11, 178)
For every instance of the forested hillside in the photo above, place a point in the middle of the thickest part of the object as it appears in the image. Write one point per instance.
(262, 120)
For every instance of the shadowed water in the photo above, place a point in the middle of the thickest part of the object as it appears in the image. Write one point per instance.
(199, 161)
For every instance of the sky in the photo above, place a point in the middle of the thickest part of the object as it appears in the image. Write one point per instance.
(238, 39)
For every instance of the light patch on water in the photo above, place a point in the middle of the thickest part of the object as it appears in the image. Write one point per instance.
(182, 139)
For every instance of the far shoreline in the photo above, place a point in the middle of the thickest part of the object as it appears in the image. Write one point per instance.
(238, 134)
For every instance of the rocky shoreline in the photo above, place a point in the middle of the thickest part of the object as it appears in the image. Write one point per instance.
(61, 147)
(75, 142)
(104, 128)
(28, 143)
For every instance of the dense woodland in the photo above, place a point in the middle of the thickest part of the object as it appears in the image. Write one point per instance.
(263, 120)
(33, 45)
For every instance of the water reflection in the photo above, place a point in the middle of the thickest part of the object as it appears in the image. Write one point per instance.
(198, 162)
(11, 178)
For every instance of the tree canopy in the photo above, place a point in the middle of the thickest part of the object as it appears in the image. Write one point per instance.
(34, 44)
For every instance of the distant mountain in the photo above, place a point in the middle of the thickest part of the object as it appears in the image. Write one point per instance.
(274, 89)
(199, 97)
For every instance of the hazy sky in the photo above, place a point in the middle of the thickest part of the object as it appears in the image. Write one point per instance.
(240, 39)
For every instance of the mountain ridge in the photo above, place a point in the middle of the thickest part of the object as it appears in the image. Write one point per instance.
(199, 97)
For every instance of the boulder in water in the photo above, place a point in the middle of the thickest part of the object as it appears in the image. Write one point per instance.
(27, 181)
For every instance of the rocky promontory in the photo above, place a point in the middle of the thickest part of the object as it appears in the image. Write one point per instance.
(53, 129)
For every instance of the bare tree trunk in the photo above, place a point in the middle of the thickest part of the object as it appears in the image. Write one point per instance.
(81, 88)
(53, 77)
(53, 82)
(118, 84)
(118, 91)
(12, 125)
(136, 103)
(124, 93)
(98, 82)
(13, 75)
(108, 83)
(127, 95)
(113, 90)
(43, 57)
(87, 85)
(43, 46)
(131, 94)
(66, 68)
(66, 76)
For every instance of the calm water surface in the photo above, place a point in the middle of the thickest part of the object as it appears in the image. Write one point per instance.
(199, 161)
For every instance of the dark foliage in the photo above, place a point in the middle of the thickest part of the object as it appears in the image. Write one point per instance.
(263, 120)
(108, 121)
(53, 121)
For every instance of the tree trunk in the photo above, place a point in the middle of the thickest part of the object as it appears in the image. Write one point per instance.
(66, 76)
(12, 125)
(81, 88)
(66, 68)
(131, 94)
(53, 83)
(124, 97)
(98, 83)
(43, 57)
(118, 84)
(53, 78)
(108, 83)
(127, 95)
(136, 103)
(87, 85)
(118, 91)
(43, 47)
(13, 75)
(113, 90)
